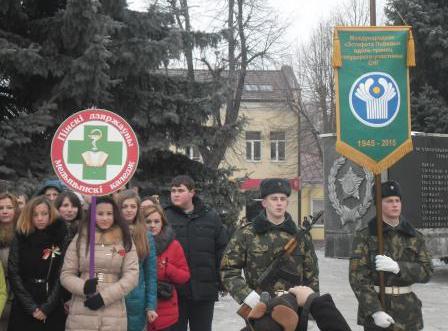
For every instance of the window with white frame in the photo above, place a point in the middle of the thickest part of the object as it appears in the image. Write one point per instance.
(253, 145)
(193, 153)
(278, 145)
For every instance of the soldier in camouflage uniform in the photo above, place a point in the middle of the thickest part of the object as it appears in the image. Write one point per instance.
(405, 261)
(255, 245)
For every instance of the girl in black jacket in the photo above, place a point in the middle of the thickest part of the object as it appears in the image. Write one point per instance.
(70, 211)
(34, 264)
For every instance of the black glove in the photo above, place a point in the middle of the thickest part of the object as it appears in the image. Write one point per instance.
(90, 286)
(94, 302)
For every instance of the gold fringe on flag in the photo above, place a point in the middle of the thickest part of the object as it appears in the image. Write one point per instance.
(337, 57)
(365, 161)
(411, 50)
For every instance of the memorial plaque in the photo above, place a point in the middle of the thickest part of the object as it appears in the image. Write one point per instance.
(423, 177)
(348, 199)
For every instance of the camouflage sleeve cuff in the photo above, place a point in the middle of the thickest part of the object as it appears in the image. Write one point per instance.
(370, 303)
(241, 294)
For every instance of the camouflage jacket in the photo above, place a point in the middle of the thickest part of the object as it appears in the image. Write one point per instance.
(254, 246)
(405, 245)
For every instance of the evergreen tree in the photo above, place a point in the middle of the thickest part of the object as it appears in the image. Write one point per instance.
(213, 186)
(429, 80)
(61, 56)
(58, 57)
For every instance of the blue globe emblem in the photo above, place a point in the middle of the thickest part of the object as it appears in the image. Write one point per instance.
(375, 99)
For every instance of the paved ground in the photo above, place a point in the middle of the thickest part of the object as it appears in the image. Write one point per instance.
(334, 280)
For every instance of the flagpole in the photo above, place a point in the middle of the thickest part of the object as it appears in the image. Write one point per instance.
(378, 195)
(372, 12)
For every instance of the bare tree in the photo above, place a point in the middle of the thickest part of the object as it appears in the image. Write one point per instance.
(352, 13)
(250, 33)
(318, 80)
(317, 102)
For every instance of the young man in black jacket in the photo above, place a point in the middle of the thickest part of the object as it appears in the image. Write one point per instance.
(203, 238)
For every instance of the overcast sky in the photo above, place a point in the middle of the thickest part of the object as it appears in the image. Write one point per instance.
(303, 15)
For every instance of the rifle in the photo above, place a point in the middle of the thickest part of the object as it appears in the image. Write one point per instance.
(273, 272)
(290, 246)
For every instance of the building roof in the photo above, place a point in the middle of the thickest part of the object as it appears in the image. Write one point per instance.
(273, 86)
(259, 85)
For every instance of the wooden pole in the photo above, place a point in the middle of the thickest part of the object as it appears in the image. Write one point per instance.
(372, 12)
(378, 195)
(379, 231)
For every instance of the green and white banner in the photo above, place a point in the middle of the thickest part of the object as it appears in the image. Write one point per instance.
(95, 152)
(372, 90)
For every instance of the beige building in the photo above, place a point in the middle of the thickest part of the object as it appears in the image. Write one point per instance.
(268, 145)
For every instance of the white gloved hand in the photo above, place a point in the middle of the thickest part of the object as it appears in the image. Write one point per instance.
(382, 319)
(385, 263)
(252, 299)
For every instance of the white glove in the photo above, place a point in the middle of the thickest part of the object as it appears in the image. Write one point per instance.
(252, 299)
(385, 263)
(382, 319)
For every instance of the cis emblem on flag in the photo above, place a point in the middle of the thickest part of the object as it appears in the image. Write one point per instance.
(375, 99)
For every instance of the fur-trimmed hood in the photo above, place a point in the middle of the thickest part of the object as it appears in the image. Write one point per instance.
(112, 236)
(164, 239)
(261, 224)
(7, 232)
(57, 231)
